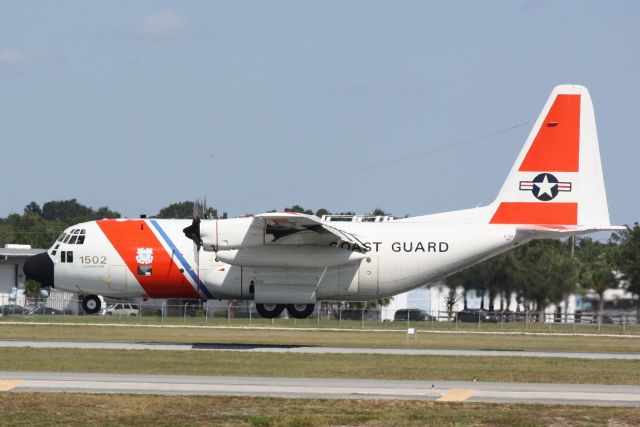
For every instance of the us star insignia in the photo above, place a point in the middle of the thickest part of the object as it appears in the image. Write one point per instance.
(545, 186)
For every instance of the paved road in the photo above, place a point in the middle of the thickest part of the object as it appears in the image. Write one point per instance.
(581, 394)
(269, 348)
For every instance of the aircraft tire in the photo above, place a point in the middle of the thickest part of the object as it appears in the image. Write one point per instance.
(270, 311)
(91, 304)
(300, 311)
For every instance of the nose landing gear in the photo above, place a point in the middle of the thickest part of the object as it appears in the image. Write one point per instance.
(91, 304)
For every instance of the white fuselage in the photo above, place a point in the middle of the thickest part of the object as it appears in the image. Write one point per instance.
(153, 258)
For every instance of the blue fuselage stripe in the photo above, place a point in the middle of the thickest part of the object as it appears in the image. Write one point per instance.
(181, 258)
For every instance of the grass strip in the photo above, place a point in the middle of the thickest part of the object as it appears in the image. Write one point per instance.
(373, 366)
(321, 338)
(519, 326)
(18, 409)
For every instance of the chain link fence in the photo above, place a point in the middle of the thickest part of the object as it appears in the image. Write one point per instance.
(326, 315)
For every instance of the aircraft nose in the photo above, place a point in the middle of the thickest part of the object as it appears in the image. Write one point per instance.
(39, 268)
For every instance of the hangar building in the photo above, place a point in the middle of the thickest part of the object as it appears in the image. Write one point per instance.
(12, 258)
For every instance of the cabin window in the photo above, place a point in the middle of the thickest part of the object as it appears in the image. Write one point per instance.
(144, 270)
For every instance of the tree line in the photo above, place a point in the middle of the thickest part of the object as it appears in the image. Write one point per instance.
(545, 272)
(539, 273)
(39, 226)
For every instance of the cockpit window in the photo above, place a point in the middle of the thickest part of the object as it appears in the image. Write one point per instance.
(66, 256)
(144, 270)
(74, 237)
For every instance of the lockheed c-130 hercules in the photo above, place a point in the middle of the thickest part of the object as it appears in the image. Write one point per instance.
(555, 189)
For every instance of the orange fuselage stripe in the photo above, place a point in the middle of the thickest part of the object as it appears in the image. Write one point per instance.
(166, 279)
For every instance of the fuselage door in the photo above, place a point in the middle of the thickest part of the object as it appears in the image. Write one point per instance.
(117, 278)
(368, 277)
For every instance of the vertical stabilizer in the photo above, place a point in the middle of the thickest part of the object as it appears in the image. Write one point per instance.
(557, 178)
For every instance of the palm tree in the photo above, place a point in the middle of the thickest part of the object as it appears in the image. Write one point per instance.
(597, 261)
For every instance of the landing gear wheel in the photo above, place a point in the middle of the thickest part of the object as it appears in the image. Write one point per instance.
(270, 311)
(91, 304)
(300, 311)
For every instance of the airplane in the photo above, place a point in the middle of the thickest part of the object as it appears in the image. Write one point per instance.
(555, 189)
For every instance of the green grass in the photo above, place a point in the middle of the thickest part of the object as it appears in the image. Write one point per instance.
(18, 409)
(344, 324)
(400, 367)
(352, 338)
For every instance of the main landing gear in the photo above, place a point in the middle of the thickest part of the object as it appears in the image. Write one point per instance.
(91, 304)
(298, 311)
(270, 311)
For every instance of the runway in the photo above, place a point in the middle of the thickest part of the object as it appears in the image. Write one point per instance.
(452, 391)
(270, 348)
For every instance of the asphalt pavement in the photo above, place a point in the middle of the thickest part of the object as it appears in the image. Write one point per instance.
(456, 391)
(271, 348)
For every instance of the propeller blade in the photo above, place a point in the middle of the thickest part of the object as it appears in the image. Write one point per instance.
(193, 232)
(196, 257)
(204, 207)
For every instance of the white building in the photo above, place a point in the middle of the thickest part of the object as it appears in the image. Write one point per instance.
(12, 258)
(12, 279)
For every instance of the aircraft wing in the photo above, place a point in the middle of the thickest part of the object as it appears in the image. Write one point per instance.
(284, 224)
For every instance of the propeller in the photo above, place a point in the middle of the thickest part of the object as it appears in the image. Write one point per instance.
(193, 233)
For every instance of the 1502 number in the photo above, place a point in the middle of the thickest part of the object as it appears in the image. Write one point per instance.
(88, 259)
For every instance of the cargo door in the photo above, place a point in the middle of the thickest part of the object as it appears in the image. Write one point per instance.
(117, 278)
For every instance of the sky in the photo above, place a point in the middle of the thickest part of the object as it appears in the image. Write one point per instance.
(414, 107)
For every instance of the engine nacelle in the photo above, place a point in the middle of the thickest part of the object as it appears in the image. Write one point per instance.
(231, 233)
